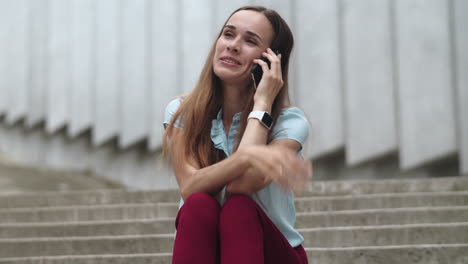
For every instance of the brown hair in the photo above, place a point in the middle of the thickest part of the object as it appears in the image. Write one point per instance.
(202, 104)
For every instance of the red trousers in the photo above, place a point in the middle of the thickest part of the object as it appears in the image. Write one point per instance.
(237, 233)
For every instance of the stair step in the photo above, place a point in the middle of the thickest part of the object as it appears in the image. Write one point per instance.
(404, 254)
(102, 197)
(89, 228)
(88, 213)
(373, 217)
(374, 201)
(303, 204)
(358, 187)
(414, 254)
(445, 233)
(136, 244)
(153, 258)
(316, 188)
(453, 233)
(376, 217)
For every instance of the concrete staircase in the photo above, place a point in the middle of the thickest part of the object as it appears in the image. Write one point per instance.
(381, 221)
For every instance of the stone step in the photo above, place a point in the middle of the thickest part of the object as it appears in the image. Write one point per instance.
(404, 254)
(358, 187)
(374, 201)
(303, 204)
(19, 178)
(136, 244)
(371, 217)
(316, 188)
(89, 228)
(153, 258)
(88, 213)
(102, 197)
(453, 233)
(362, 236)
(401, 254)
(376, 217)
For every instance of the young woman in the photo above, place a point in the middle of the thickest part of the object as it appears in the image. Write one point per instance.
(235, 149)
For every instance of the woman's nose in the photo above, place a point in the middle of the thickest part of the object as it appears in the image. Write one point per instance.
(233, 46)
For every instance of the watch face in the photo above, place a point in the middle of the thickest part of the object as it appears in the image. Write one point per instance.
(267, 120)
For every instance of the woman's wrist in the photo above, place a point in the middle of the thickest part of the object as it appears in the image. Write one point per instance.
(262, 105)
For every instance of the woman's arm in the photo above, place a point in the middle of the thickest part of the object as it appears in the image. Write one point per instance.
(283, 154)
(192, 179)
(268, 162)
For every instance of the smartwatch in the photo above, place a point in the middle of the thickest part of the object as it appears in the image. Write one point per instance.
(264, 118)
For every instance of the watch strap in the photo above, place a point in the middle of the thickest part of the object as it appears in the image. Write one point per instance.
(262, 116)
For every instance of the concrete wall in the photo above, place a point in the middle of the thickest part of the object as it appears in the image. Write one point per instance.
(376, 78)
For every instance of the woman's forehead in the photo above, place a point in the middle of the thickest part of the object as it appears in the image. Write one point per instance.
(248, 20)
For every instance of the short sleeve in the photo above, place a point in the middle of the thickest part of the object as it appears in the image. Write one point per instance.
(291, 124)
(171, 109)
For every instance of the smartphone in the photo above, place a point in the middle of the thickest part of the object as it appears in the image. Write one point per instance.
(257, 71)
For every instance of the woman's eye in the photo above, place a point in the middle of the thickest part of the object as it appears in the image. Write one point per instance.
(251, 41)
(228, 34)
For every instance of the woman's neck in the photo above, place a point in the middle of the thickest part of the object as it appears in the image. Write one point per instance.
(234, 100)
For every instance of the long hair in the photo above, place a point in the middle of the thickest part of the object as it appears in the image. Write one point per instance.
(202, 104)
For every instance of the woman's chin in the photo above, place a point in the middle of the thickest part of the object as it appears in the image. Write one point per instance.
(230, 77)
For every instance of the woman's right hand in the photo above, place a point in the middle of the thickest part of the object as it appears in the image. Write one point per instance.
(279, 164)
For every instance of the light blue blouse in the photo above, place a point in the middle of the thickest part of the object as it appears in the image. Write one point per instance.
(278, 205)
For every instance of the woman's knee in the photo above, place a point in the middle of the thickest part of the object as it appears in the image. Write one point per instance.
(238, 206)
(201, 200)
(200, 207)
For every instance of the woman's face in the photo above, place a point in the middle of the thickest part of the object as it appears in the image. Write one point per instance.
(244, 37)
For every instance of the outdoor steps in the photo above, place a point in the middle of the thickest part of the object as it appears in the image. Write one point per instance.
(375, 221)
(167, 209)
(335, 237)
(371, 217)
(427, 254)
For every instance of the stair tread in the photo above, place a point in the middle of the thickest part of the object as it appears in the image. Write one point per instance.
(308, 249)
(297, 199)
(302, 230)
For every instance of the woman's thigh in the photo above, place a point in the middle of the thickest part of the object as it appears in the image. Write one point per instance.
(247, 235)
(197, 225)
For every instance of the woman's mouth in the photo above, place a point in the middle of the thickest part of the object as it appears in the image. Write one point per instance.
(230, 61)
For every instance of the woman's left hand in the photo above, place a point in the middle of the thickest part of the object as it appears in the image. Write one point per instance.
(272, 79)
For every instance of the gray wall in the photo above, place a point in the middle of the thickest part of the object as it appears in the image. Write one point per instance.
(375, 77)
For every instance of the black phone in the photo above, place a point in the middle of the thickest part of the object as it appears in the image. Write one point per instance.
(257, 71)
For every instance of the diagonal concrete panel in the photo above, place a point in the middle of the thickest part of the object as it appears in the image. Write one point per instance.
(318, 74)
(369, 86)
(40, 12)
(17, 60)
(135, 72)
(166, 68)
(425, 88)
(59, 64)
(197, 38)
(460, 11)
(108, 86)
(82, 65)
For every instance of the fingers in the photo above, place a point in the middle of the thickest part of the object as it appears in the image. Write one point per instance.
(275, 60)
(294, 174)
(283, 167)
(299, 175)
(262, 64)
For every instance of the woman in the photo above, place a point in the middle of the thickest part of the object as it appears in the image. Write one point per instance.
(235, 164)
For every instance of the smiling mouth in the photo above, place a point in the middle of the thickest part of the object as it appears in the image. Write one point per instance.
(231, 61)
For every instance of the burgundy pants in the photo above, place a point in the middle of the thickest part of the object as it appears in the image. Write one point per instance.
(238, 232)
